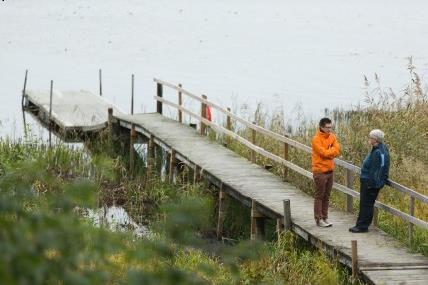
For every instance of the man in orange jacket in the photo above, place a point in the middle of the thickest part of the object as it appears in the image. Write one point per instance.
(324, 149)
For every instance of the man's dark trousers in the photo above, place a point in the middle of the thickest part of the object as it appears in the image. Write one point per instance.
(367, 199)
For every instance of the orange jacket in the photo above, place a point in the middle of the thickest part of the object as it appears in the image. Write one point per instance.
(324, 149)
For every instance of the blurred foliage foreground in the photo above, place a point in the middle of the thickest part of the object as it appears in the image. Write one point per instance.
(44, 240)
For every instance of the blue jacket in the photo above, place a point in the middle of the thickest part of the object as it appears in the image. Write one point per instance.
(375, 167)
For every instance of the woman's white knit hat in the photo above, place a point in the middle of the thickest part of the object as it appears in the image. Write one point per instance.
(377, 134)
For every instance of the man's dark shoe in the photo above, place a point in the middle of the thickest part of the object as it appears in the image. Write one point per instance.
(357, 230)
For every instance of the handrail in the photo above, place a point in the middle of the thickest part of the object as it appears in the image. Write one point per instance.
(289, 141)
(298, 169)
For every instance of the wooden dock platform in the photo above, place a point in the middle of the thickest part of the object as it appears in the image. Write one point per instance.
(382, 260)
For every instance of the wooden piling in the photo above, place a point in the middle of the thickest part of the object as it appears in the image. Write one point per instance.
(287, 214)
(172, 165)
(110, 127)
(180, 103)
(411, 213)
(196, 174)
(150, 155)
(354, 259)
(221, 206)
(350, 184)
(279, 227)
(257, 222)
(50, 114)
(159, 91)
(253, 141)
(100, 81)
(132, 139)
(133, 134)
(203, 115)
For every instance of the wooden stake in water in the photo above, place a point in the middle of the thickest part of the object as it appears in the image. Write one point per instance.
(50, 115)
(22, 103)
(100, 81)
(354, 257)
(132, 95)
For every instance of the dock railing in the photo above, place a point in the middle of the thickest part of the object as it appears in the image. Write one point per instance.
(349, 167)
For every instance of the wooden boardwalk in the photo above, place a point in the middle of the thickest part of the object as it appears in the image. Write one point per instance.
(382, 260)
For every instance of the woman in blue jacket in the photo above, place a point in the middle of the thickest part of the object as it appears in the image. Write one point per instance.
(374, 175)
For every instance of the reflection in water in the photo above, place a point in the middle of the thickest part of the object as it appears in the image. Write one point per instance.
(116, 219)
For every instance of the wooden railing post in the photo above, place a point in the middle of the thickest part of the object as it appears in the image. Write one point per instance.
(228, 126)
(287, 215)
(354, 259)
(180, 103)
(411, 213)
(349, 184)
(253, 141)
(24, 121)
(159, 93)
(221, 206)
(257, 223)
(100, 81)
(286, 158)
(375, 217)
(203, 115)
(172, 165)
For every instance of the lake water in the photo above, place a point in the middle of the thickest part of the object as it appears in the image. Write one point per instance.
(282, 53)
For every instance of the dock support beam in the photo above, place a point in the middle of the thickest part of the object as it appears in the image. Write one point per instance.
(279, 227)
(196, 174)
(133, 136)
(257, 223)
(221, 216)
(110, 128)
(150, 155)
(287, 215)
(172, 165)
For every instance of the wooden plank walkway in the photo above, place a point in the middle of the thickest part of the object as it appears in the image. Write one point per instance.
(382, 260)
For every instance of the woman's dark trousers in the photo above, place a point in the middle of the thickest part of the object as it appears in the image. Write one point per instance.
(367, 199)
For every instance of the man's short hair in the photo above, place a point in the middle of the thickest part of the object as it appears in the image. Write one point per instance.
(324, 121)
